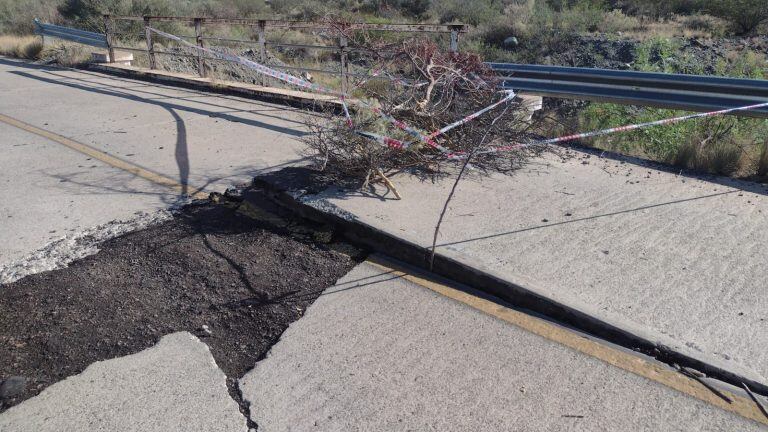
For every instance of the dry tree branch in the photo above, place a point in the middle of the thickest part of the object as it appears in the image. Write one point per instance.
(426, 88)
(456, 184)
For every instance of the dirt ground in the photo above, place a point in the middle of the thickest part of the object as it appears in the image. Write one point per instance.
(234, 276)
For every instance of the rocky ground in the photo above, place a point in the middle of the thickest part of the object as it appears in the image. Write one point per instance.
(610, 52)
(232, 274)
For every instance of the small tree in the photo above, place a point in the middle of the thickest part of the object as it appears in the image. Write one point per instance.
(745, 16)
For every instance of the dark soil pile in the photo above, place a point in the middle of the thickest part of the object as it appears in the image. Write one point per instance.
(233, 274)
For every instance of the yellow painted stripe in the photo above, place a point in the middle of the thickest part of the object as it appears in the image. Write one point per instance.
(106, 158)
(742, 406)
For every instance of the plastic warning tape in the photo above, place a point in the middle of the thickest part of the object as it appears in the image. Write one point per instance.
(626, 128)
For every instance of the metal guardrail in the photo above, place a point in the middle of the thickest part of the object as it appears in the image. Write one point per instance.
(71, 34)
(661, 90)
(262, 26)
(674, 91)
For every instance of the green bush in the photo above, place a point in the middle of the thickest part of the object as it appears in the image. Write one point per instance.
(473, 12)
(562, 5)
(660, 8)
(716, 145)
(16, 16)
(745, 16)
(705, 23)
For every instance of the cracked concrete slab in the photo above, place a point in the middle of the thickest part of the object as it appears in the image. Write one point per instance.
(676, 258)
(173, 386)
(377, 352)
(51, 192)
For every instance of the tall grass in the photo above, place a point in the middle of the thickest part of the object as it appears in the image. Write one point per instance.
(722, 145)
(26, 47)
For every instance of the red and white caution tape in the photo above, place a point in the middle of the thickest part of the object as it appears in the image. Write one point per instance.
(383, 140)
(429, 138)
(469, 118)
(626, 128)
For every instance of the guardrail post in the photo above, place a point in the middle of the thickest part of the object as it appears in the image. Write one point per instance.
(455, 30)
(262, 29)
(150, 44)
(109, 32)
(344, 63)
(199, 36)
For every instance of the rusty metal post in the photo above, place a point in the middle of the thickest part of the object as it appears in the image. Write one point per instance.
(150, 44)
(343, 43)
(262, 29)
(199, 37)
(109, 33)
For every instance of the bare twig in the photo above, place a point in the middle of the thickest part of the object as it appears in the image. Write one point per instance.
(756, 399)
(455, 184)
(388, 183)
(698, 376)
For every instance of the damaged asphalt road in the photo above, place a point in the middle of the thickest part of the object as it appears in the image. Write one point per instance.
(232, 274)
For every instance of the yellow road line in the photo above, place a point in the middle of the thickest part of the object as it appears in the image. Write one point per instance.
(106, 158)
(742, 406)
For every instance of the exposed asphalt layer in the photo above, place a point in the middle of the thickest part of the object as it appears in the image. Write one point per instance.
(233, 274)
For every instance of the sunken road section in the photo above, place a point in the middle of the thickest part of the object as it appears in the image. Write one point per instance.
(236, 275)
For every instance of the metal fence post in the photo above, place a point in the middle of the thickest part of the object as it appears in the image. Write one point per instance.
(199, 36)
(455, 30)
(262, 28)
(109, 32)
(150, 44)
(344, 64)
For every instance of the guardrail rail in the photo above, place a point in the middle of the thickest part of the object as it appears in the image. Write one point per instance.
(661, 90)
(71, 34)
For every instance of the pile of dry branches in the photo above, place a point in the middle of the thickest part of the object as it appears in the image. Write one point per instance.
(426, 88)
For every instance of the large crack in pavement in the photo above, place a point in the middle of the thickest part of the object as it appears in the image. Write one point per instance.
(233, 274)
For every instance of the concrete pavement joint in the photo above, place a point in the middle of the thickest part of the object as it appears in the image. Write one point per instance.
(620, 359)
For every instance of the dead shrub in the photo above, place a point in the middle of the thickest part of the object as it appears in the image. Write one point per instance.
(713, 151)
(67, 54)
(426, 89)
(762, 162)
(706, 24)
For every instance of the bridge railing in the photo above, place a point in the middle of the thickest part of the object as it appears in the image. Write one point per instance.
(263, 28)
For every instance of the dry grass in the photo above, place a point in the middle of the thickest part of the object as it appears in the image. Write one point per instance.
(691, 26)
(67, 54)
(26, 47)
(762, 162)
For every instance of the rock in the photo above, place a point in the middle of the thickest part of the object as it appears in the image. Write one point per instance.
(511, 42)
(12, 387)
(234, 194)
